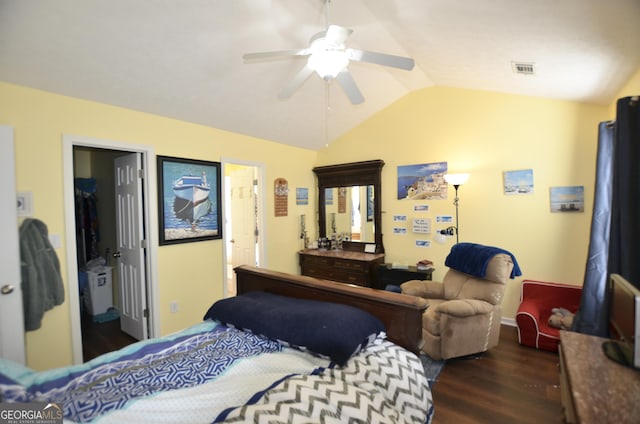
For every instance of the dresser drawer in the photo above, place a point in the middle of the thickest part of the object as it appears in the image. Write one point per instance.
(347, 267)
(317, 261)
(350, 277)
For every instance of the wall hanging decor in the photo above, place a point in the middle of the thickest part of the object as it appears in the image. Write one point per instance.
(189, 200)
(302, 196)
(566, 199)
(342, 199)
(518, 182)
(281, 193)
(423, 181)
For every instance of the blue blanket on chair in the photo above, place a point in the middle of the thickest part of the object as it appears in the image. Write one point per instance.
(472, 259)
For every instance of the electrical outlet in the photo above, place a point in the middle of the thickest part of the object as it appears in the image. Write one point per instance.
(173, 307)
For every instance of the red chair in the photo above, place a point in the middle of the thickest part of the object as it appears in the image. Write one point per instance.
(537, 299)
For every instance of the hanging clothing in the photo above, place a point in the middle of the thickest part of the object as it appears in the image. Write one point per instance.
(42, 286)
(87, 224)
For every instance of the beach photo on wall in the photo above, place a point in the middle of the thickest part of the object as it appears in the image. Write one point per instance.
(567, 199)
(424, 181)
(189, 200)
(518, 182)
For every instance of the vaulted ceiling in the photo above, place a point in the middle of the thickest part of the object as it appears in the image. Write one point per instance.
(183, 59)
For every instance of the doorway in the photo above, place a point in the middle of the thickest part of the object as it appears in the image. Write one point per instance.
(12, 338)
(99, 251)
(244, 217)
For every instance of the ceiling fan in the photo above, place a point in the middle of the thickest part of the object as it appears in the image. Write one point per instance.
(329, 58)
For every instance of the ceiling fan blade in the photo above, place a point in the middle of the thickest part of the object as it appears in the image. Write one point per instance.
(296, 82)
(337, 35)
(276, 54)
(384, 59)
(349, 86)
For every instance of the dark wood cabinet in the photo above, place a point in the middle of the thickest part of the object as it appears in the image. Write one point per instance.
(387, 275)
(593, 388)
(339, 265)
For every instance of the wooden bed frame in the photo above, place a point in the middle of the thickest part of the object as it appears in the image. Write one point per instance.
(400, 314)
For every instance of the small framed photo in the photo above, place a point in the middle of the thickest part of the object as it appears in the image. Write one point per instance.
(370, 248)
(189, 200)
(518, 182)
(567, 199)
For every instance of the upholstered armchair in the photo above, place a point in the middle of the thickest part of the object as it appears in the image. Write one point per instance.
(463, 311)
(537, 301)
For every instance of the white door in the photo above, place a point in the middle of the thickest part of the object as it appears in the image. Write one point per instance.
(244, 215)
(11, 314)
(130, 241)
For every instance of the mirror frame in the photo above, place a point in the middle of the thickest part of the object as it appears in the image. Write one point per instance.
(348, 175)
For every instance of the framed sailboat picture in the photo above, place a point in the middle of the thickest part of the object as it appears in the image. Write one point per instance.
(189, 200)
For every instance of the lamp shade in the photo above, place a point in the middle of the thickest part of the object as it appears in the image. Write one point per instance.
(456, 179)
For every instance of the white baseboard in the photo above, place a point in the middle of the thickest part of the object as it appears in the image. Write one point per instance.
(508, 321)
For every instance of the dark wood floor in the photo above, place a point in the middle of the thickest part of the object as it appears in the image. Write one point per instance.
(99, 338)
(508, 384)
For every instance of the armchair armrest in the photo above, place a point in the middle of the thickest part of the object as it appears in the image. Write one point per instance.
(423, 288)
(532, 308)
(462, 308)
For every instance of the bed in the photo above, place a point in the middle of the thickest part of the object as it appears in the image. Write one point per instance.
(287, 349)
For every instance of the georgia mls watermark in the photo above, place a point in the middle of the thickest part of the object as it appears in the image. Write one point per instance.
(30, 413)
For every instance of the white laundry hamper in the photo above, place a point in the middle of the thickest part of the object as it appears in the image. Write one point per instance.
(99, 292)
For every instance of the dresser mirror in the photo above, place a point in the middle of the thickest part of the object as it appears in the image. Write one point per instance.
(349, 203)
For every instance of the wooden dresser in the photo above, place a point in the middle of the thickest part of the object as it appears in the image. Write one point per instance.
(340, 265)
(594, 388)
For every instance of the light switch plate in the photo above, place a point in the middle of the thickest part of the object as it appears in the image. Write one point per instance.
(25, 203)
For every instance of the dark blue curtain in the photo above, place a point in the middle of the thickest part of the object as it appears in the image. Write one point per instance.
(624, 247)
(614, 245)
(591, 317)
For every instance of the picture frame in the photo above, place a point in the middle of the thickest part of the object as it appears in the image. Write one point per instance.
(518, 182)
(422, 181)
(189, 200)
(369, 203)
(566, 199)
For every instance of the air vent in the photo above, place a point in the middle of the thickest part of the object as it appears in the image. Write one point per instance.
(523, 68)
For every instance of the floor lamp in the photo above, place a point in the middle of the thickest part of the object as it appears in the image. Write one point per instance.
(456, 180)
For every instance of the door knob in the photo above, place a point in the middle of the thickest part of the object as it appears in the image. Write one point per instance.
(6, 289)
(116, 254)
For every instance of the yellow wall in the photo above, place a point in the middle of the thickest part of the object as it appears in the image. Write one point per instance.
(40, 119)
(474, 131)
(486, 133)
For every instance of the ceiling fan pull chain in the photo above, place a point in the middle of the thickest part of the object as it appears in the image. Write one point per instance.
(326, 13)
(326, 113)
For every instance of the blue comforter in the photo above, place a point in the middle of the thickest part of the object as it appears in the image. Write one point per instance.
(214, 373)
(146, 369)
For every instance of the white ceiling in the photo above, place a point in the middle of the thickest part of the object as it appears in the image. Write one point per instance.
(183, 59)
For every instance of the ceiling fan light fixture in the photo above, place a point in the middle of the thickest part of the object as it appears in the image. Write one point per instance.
(329, 58)
(327, 63)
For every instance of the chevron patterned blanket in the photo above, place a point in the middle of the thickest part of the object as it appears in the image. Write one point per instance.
(383, 384)
(212, 373)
